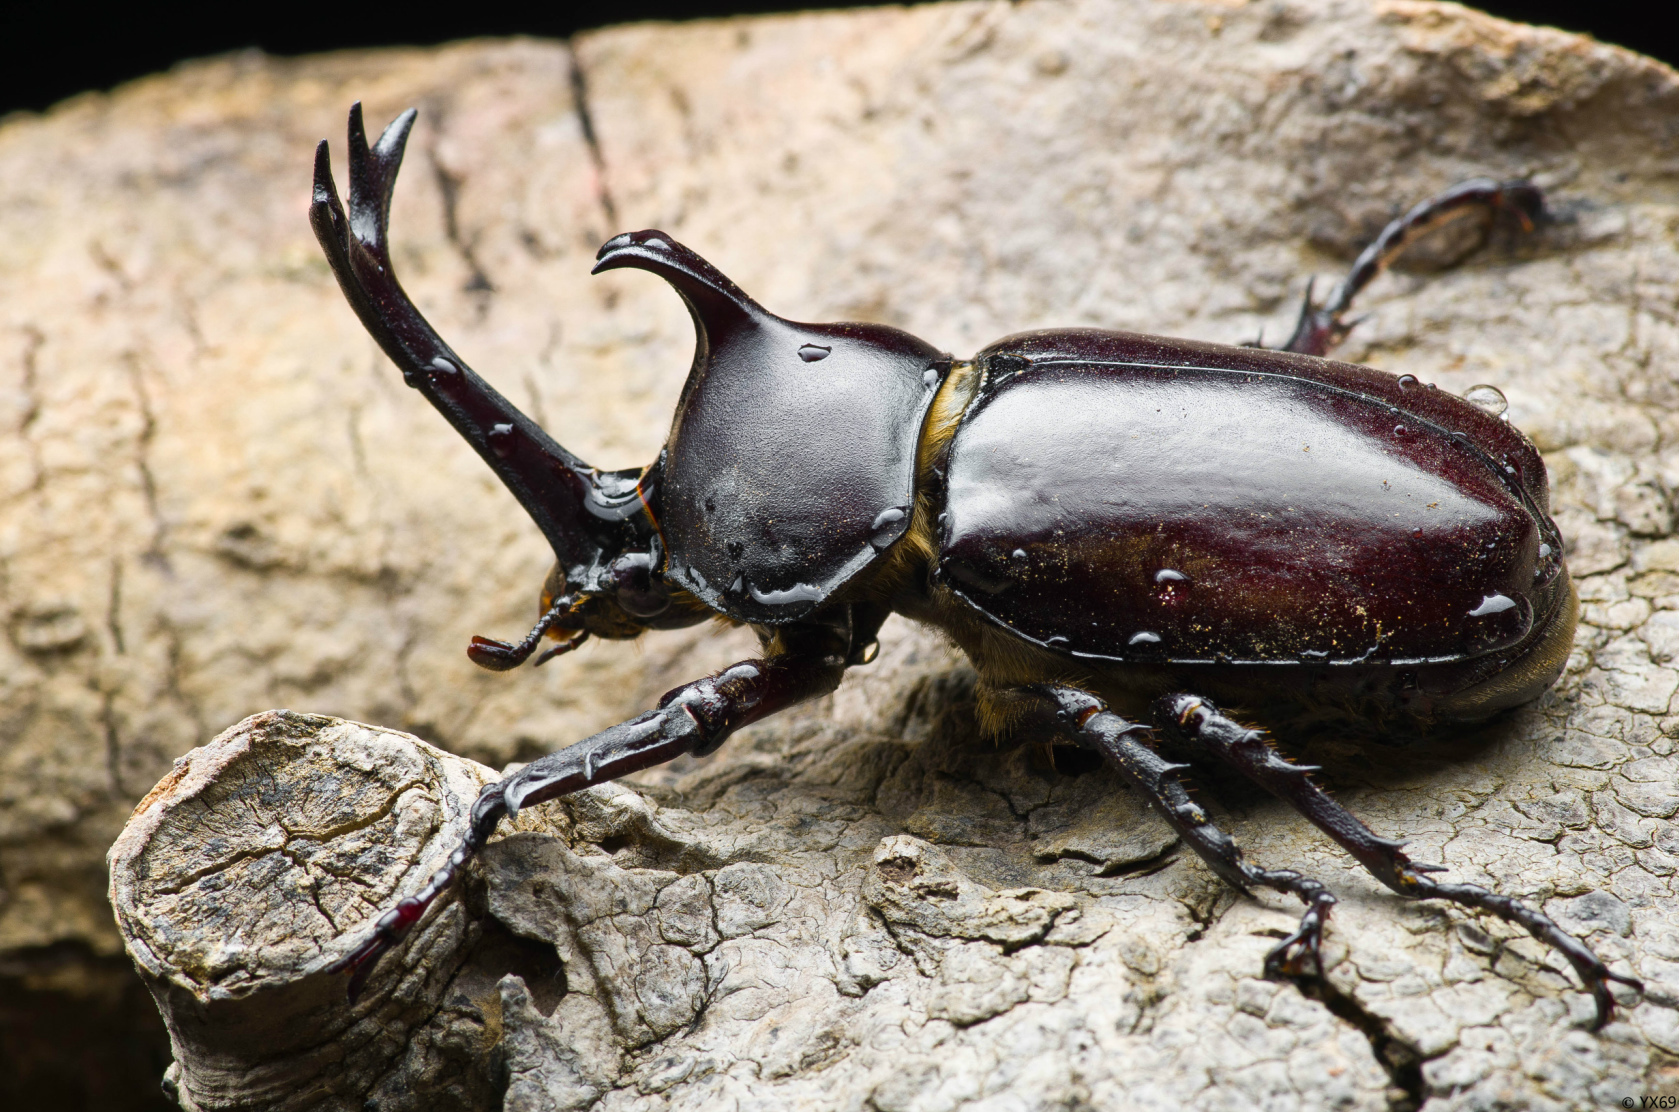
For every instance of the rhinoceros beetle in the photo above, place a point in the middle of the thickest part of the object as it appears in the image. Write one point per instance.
(1104, 522)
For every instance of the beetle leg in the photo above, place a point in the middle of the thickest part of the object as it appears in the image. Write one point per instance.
(801, 662)
(1092, 725)
(1321, 328)
(1248, 752)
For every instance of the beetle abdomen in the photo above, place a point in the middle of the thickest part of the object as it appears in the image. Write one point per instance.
(1107, 500)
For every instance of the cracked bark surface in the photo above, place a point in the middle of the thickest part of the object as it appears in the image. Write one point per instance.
(219, 499)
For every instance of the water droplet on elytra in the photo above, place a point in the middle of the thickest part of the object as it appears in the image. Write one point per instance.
(1144, 638)
(1167, 575)
(1400, 430)
(1488, 399)
(1406, 382)
(1018, 554)
(1493, 604)
(810, 353)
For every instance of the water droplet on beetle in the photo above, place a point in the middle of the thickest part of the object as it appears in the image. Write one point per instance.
(656, 242)
(1544, 551)
(501, 440)
(1167, 575)
(444, 366)
(1400, 430)
(1056, 641)
(887, 517)
(1493, 604)
(930, 377)
(1018, 554)
(798, 592)
(1144, 638)
(1406, 382)
(1488, 399)
(810, 353)
(883, 527)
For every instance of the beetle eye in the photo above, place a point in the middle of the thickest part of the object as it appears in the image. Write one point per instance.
(638, 593)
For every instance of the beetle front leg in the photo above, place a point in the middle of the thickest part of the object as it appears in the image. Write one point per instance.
(1248, 752)
(1321, 327)
(1088, 721)
(802, 662)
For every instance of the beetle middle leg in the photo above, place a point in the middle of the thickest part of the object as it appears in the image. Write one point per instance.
(1248, 752)
(801, 661)
(1091, 724)
(1321, 327)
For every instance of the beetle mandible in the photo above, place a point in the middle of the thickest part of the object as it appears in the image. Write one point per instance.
(1098, 519)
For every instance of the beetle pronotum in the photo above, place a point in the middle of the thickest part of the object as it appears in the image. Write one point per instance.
(1076, 509)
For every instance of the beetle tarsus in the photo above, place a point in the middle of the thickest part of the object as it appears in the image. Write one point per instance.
(1198, 721)
(1320, 329)
(1089, 722)
(393, 926)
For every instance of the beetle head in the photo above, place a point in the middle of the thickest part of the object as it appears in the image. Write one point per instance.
(599, 523)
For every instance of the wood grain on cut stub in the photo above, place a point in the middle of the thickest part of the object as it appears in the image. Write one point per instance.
(254, 865)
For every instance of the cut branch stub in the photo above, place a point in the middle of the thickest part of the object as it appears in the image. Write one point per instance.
(262, 858)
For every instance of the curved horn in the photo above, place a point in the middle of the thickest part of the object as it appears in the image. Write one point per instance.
(721, 309)
(554, 486)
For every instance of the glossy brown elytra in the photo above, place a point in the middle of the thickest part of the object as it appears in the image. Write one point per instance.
(1104, 522)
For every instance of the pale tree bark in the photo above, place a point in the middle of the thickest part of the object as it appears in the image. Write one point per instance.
(220, 500)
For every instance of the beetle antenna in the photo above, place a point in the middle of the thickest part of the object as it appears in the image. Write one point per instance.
(500, 656)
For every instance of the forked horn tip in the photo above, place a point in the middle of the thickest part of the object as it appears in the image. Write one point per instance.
(323, 171)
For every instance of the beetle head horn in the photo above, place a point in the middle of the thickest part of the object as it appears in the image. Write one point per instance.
(585, 513)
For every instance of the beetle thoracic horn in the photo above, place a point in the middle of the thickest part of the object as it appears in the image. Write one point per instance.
(553, 485)
(721, 309)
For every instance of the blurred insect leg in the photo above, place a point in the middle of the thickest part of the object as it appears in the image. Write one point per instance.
(1088, 721)
(1247, 751)
(802, 662)
(1321, 328)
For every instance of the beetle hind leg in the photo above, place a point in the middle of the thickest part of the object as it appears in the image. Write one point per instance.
(1322, 327)
(1088, 721)
(1198, 721)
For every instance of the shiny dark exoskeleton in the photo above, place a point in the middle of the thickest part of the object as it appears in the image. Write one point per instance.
(1105, 522)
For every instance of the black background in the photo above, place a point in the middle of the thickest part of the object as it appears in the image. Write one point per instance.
(55, 50)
